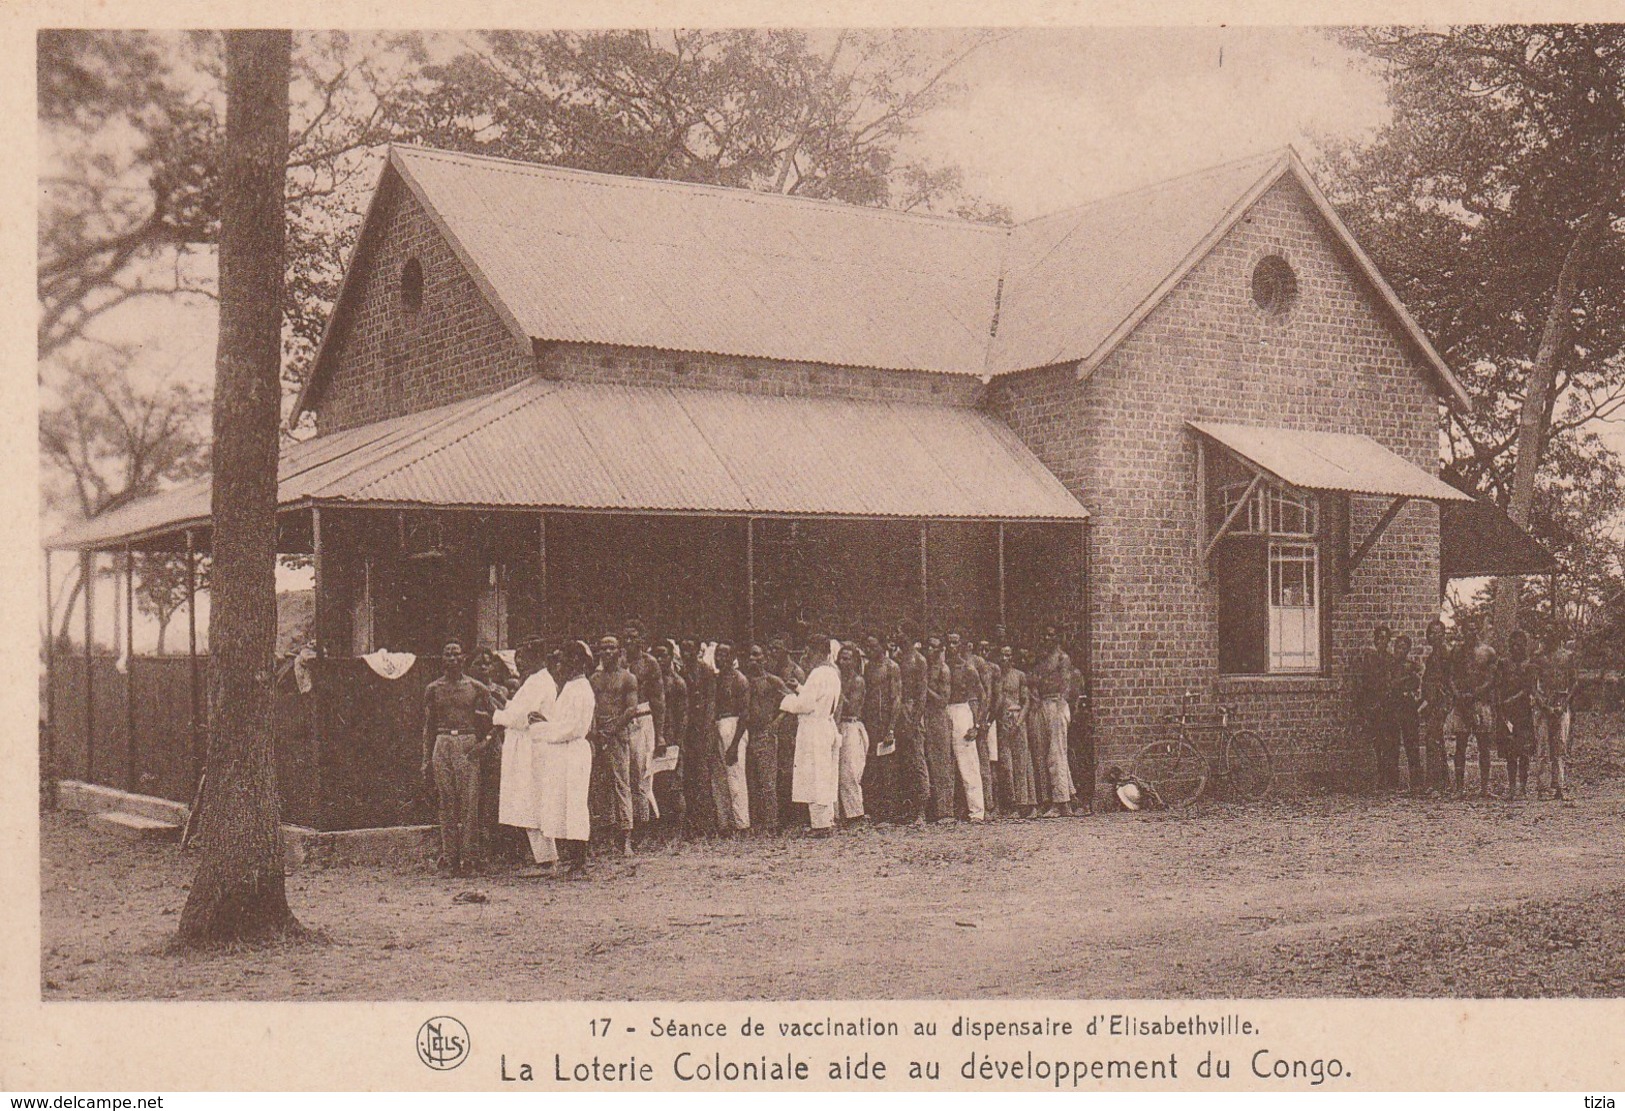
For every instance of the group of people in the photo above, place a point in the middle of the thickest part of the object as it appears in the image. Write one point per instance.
(1461, 689)
(632, 738)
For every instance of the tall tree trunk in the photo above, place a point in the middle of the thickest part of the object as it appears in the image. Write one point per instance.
(238, 892)
(1535, 418)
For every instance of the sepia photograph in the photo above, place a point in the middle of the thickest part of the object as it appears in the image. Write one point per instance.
(796, 513)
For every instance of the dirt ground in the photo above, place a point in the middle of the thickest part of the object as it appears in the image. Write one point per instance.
(1306, 896)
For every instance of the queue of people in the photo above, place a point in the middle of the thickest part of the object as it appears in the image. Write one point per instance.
(1460, 689)
(634, 739)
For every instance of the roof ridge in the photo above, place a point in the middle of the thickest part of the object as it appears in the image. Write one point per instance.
(616, 181)
(1273, 155)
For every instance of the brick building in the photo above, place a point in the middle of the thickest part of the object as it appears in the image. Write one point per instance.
(1190, 424)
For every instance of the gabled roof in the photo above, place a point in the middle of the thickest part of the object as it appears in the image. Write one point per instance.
(645, 263)
(595, 258)
(570, 445)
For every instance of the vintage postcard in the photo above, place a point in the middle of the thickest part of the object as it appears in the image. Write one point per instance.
(887, 548)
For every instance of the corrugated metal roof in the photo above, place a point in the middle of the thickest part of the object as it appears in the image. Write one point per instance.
(1330, 461)
(594, 258)
(302, 468)
(564, 445)
(1073, 277)
(603, 259)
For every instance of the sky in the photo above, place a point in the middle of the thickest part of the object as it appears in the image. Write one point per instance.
(1053, 118)
(1046, 119)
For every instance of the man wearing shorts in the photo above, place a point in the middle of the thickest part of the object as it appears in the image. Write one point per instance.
(1554, 683)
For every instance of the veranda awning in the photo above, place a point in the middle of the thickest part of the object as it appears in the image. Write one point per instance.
(560, 445)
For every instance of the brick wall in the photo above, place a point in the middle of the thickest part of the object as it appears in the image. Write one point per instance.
(1334, 362)
(637, 366)
(385, 361)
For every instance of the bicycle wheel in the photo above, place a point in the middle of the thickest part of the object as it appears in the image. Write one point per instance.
(1174, 769)
(1249, 765)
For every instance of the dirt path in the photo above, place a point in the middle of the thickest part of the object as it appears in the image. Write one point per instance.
(1213, 903)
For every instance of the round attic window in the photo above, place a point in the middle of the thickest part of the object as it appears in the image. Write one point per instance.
(412, 285)
(1275, 285)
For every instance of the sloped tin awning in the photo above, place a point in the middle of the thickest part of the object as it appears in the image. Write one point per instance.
(1344, 461)
(1476, 538)
(558, 445)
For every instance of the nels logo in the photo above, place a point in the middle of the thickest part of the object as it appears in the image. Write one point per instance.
(443, 1043)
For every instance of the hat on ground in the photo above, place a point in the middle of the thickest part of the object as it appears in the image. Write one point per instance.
(1129, 795)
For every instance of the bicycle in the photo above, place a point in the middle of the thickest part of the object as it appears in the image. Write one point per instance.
(1180, 772)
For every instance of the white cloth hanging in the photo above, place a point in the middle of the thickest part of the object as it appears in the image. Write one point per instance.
(390, 665)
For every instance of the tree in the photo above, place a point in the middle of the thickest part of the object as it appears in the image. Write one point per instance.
(1495, 200)
(108, 436)
(162, 587)
(131, 122)
(750, 109)
(238, 892)
(125, 184)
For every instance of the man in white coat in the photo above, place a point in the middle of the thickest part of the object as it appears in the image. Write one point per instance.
(816, 778)
(563, 757)
(520, 802)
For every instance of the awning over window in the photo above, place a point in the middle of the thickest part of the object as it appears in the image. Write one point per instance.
(561, 445)
(1477, 538)
(1344, 461)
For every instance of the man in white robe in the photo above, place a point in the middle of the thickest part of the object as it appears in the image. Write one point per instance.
(563, 758)
(816, 777)
(520, 801)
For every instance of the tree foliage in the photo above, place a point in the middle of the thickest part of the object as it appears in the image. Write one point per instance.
(161, 588)
(133, 126)
(108, 436)
(128, 161)
(1495, 202)
(764, 110)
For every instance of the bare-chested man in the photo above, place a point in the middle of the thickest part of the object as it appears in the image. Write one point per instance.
(1473, 675)
(762, 731)
(1010, 707)
(615, 694)
(669, 785)
(882, 697)
(1554, 685)
(700, 743)
(1051, 681)
(965, 719)
(1437, 696)
(939, 729)
(912, 778)
(648, 723)
(988, 734)
(456, 721)
(730, 788)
